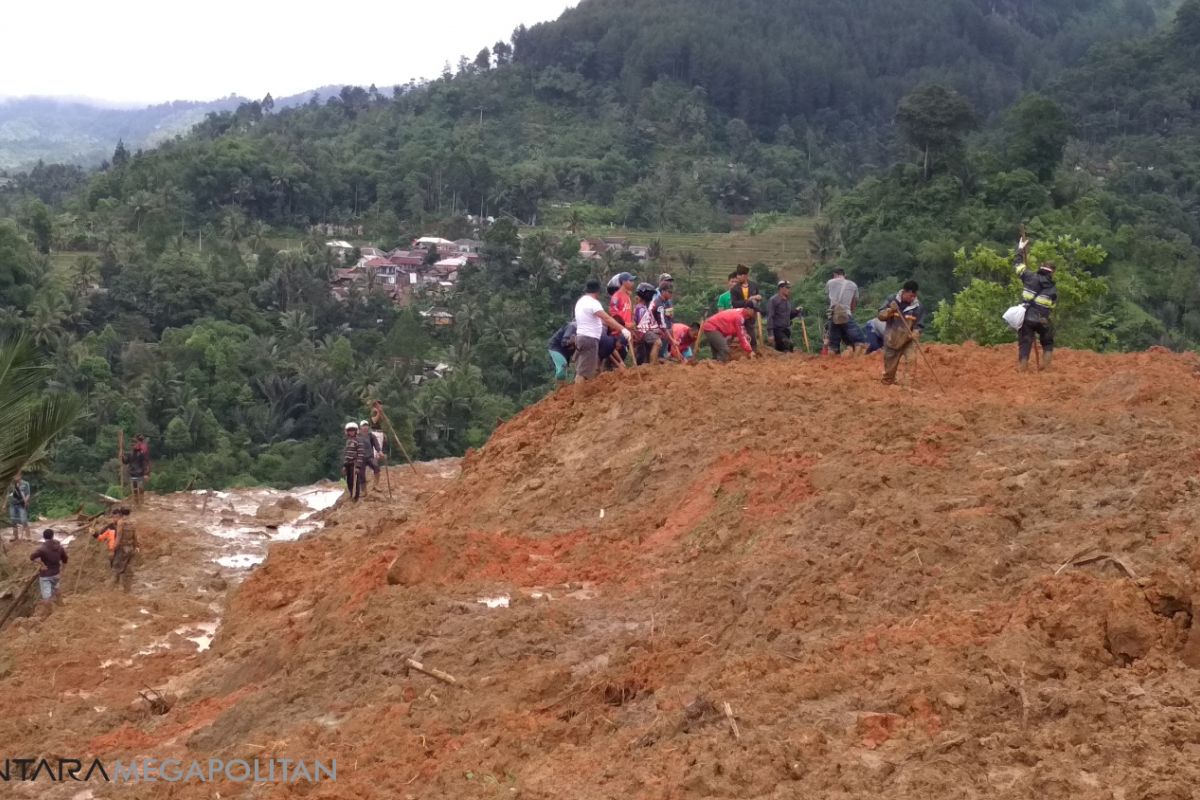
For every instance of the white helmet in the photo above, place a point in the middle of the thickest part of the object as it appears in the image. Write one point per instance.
(364, 424)
(350, 426)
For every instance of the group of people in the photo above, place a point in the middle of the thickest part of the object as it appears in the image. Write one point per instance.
(117, 534)
(363, 449)
(640, 318)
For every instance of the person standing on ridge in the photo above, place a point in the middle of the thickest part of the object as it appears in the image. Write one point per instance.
(369, 447)
(654, 327)
(746, 295)
(904, 318)
(562, 349)
(52, 555)
(1039, 295)
(18, 506)
(620, 304)
(139, 467)
(842, 294)
(779, 317)
(590, 320)
(351, 457)
(725, 326)
(725, 301)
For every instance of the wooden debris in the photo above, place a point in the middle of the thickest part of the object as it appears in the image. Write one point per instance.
(1079, 560)
(444, 677)
(733, 726)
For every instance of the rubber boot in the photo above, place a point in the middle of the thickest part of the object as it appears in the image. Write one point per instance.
(1046, 357)
(1023, 365)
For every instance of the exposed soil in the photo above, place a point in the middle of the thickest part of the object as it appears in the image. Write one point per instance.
(985, 593)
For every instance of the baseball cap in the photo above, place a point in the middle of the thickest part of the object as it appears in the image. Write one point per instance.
(665, 278)
(363, 423)
(626, 276)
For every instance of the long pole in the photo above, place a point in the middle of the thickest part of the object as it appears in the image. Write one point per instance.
(17, 598)
(121, 458)
(920, 352)
(804, 329)
(378, 407)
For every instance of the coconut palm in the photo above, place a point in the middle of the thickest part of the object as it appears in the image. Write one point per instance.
(29, 417)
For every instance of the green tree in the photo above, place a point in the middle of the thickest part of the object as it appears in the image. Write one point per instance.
(41, 225)
(1036, 131)
(934, 119)
(975, 312)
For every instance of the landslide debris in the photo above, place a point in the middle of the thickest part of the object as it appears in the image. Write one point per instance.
(889, 589)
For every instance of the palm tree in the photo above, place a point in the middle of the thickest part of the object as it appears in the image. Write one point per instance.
(824, 244)
(575, 222)
(141, 203)
(87, 271)
(29, 418)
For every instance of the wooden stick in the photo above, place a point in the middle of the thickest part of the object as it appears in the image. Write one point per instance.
(121, 458)
(732, 722)
(804, 329)
(17, 598)
(444, 677)
(378, 407)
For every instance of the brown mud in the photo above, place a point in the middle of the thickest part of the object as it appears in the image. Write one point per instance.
(982, 593)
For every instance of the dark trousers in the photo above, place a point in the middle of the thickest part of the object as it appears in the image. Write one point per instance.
(752, 332)
(1042, 330)
(783, 339)
(353, 487)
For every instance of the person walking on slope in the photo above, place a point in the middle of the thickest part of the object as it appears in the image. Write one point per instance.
(52, 555)
(725, 326)
(1039, 295)
(352, 456)
(746, 294)
(18, 506)
(843, 302)
(590, 320)
(562, 349)
(779, 317)
(120, 536)
(904, 320)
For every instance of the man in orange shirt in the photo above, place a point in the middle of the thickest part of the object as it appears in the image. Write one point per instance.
(620, 305)
(721, 328)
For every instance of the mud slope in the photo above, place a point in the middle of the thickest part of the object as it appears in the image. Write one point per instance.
(878, 582)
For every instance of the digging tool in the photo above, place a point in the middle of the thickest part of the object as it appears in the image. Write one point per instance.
(917, 343)
(804, 330)
(759, 325)
(377, 410)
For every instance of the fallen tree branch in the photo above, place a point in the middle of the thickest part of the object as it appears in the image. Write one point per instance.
(444, 677)
(733, 726)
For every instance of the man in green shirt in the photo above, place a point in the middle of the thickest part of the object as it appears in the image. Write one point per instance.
(725, 301)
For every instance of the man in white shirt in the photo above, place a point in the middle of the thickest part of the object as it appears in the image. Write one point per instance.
(843, 302)
(590, 319)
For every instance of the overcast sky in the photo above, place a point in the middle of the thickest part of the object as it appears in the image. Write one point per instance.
(145, 51)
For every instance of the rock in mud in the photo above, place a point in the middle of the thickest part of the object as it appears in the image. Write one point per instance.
(1130, 630)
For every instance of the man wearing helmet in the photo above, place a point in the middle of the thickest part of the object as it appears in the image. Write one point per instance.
(1039, 295)
(352, 460)
(368, 446)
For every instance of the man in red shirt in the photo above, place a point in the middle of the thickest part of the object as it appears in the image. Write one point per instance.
(724, 326)
(620, 305)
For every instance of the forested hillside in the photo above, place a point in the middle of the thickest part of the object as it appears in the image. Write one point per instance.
(181, 290)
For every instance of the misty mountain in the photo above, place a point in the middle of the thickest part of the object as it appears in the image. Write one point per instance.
(85, 133)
